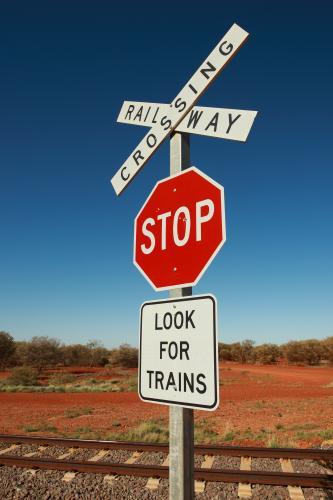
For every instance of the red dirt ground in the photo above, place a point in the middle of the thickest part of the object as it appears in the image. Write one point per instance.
(263, 399)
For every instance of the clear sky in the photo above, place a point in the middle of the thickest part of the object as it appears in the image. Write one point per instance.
(66, 239)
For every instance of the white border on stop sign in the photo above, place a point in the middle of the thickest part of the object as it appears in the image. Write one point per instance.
(224, 233)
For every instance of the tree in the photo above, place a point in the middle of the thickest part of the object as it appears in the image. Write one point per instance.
(309, 352)
(124, 355)
(7, 348)
(267, 354)
(41, 352)
(225, 352)
(243, 351)
(76, 355)
(99, 355)
(328, 349)
(313, 351)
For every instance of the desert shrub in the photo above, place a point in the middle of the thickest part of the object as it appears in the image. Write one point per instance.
(103, 361)
(23, 375)
(98, 354)
(77, 412)
(76, 355)
(229, 436)
(327, 345)
(62, 378)
(130, 385)
(243, 352)
(292, 352)
(91, 354)
(267, 354)
(7, 348)
(152, 431)
(309, 352)
(41, 426)
(225, 352)
(203, 432)
(313, 351)
(125, 356)
(40, 352)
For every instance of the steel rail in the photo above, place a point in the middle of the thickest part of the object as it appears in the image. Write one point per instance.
(216, 475)
(236, 451)
(258, 452)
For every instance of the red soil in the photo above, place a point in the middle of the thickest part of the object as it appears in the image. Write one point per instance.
(302, 374)
(251, 396)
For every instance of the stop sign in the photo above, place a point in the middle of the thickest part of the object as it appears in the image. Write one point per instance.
(179, 230)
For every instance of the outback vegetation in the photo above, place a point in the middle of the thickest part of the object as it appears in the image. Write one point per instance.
(270, 395)
(42, 364)
(44, 352)
(301, 352)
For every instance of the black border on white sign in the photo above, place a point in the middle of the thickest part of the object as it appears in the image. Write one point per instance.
(216, 378)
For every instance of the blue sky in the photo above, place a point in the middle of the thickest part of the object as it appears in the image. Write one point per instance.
(65, 238)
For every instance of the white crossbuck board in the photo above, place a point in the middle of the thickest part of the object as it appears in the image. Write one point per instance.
(234, 124)
(178, 352)
(180, 106)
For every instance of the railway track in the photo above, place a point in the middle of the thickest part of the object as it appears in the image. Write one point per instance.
(95, 457)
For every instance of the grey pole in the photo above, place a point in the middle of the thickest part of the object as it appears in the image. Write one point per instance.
(181, 429)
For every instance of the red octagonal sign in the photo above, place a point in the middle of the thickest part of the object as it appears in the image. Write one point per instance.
(179, 230)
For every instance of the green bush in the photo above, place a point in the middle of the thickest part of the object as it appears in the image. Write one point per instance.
(23, 375)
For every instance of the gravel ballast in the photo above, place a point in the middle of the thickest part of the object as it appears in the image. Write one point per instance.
(219, 490)
(263, 492)
(18, 483)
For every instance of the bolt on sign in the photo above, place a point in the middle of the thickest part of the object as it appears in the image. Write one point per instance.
(179, 230)
(178, 352)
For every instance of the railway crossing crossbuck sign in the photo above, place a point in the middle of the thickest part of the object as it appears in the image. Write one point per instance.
(179, 230)
(222, 123)
(180, 107)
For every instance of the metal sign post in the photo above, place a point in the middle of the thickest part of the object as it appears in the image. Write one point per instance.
(181, 426)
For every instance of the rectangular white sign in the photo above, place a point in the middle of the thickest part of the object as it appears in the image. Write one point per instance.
(234, 124)
(180, 106)
(179, 352)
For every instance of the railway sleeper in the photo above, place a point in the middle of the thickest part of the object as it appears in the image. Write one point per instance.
(216, 475)
(244, 489)
(40, 449)
(110, 478)
(199, 485)
(69, 476)
(295, 492)
(154, 482)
